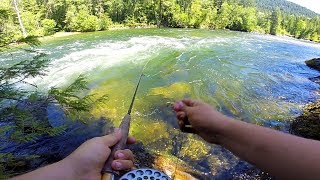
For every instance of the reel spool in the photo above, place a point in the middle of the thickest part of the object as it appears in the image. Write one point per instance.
(145, 174)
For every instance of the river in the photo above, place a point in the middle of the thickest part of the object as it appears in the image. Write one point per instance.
(260, 79)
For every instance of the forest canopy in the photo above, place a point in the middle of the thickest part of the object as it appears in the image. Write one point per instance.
(45, 17)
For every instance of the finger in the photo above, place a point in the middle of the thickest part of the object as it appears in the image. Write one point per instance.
(186, 127)
(121, 165)
(178, 106)
(181, 124)
(112, 139)
(131, 140)
(189, 102)
(124, 155)
(181, 115)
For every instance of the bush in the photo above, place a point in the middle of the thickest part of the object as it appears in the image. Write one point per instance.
(81, 21)
(315, 37)
(104, 22)
(48, 26)
(88, 23)
(131, 22)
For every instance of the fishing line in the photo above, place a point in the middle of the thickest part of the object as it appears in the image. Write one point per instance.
(107, 172)
(139, 174)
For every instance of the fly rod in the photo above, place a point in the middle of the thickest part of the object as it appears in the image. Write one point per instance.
(107, 172)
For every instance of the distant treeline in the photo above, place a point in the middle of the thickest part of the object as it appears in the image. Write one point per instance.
(45, 17)
(285, 6)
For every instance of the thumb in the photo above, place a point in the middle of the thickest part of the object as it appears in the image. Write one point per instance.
(112, 139)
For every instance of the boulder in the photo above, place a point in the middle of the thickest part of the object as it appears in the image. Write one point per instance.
(314, 63)
(308, 124)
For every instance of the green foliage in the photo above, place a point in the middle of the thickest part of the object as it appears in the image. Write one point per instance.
(75, 106)
(104, 22)
(275, 22)
(44, 17)
(67, 98)
(24, 69)
(25, 111)
(26, 126)
(79, 19)
(8, 163)
(30, 40)
(48, 26)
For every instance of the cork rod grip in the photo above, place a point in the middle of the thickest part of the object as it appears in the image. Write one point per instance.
(124, 126)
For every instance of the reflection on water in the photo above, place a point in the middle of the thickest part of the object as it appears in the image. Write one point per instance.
(255, 78)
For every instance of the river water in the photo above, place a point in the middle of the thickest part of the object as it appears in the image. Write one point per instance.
(255, 78)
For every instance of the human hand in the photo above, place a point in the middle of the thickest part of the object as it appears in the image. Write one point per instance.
(204, 119)
(88, 160)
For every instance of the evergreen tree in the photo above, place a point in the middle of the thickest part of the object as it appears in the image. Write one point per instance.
(275, 22)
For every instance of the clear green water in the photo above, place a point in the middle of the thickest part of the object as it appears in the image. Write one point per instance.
(255, 78)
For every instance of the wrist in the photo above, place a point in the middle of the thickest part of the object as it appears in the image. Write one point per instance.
(67, 166)
(221, 128)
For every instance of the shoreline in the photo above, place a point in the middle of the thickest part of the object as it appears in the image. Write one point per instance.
(58, 35)
(61, 34)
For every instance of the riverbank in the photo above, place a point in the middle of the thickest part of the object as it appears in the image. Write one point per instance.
(58, 35)
(123, 27)
(113, 28)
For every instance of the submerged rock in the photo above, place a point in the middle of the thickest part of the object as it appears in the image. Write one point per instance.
(314, 63)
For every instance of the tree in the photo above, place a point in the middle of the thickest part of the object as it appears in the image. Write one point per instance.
(15, 4)
(300, 28)
(275, 22)
(248, 3)
(218, 4)
(48, 26)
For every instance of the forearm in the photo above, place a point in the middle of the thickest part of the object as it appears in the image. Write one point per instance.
(282, 155)
(60, 170)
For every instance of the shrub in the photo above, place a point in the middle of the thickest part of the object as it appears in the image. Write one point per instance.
(48, 26)
(81, 21)
(104, 22)
(88, 22)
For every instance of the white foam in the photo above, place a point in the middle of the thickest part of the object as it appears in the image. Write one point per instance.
(102, 56)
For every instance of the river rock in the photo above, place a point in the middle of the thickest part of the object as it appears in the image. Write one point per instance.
(308, 124)
(314, 63)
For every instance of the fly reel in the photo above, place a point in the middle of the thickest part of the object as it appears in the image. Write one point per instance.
(145, 174)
